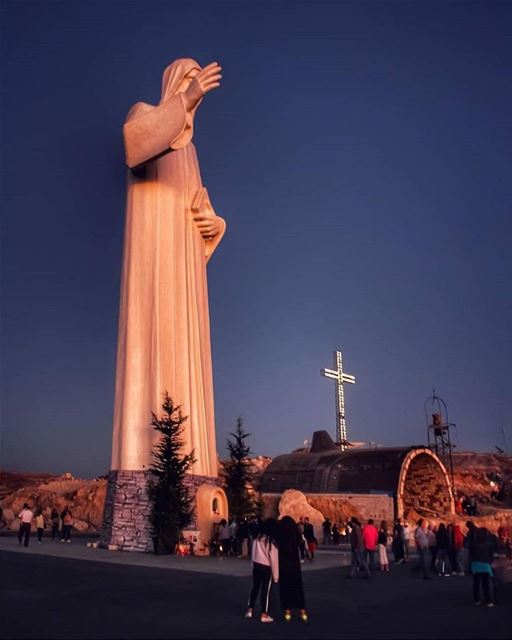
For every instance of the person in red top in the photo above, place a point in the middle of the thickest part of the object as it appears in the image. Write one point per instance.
(458, 547)
(370, 537)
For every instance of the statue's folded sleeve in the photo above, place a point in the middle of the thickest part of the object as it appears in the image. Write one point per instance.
(149, 132)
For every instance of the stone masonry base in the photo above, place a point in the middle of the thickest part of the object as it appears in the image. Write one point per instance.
(127, 509)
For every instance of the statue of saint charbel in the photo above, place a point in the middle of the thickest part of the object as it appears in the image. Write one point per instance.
(171, 232)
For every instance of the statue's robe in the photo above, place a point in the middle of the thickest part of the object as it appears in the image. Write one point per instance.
(164, 329)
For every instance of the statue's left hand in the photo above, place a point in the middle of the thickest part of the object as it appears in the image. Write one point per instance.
(209, 225)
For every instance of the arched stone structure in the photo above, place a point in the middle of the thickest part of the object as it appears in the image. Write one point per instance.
(424, 485)
(211, 507)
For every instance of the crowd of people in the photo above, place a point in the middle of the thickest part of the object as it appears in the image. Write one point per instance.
(59, 524)
(278, 548)
(442, 549)
(466, 505)
(236, 538)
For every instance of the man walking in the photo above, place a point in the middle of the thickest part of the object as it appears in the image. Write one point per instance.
(406, 537)
(421, 540)
(370, 537)
(357, 550)
(26, 516)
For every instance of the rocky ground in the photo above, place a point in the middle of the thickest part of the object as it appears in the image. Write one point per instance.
(473, 473)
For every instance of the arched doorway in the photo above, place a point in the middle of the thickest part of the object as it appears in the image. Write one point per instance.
(424, 486)
(211, 507)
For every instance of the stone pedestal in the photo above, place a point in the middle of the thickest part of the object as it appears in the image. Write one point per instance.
(127, 509)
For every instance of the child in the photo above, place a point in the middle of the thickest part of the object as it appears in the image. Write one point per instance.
(39, 525)
(382, 541)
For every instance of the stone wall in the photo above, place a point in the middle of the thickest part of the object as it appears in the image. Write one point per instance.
(127, 509)
(426, 490)
(339, 507)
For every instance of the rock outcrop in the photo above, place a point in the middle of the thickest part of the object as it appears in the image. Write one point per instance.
(295, 504)
(84, 498)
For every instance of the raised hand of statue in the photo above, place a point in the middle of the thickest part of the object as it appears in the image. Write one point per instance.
(206, 80)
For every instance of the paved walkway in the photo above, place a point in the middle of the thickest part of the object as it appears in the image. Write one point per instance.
(44, 596)
(77, 550)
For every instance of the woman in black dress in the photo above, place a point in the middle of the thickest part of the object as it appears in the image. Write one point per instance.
(398, 542)
(290, 577)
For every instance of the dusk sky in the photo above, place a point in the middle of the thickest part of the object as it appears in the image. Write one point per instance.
(360, 153)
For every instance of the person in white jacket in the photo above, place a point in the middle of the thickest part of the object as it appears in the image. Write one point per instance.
(265, 568)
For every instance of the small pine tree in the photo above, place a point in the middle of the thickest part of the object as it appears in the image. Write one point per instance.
(236, 474)
(171, 503)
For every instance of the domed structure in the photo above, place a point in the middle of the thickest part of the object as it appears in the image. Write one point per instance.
(414, 476)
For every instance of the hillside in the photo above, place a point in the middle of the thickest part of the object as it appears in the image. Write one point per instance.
(473, 473)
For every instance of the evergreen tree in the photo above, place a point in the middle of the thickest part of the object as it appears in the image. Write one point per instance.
(237, 476)
(171, 502)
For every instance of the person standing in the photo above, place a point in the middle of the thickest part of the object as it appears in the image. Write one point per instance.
(291, 590)
(67, 523)
(406, 538)
(382, 542)
(265, 569)
(302, 540)
(421, 540)
(224, 537)
(370, 537)
(482, 553)
(40, 525)
(336, 534)
(451, 548)
(469, 541)
(243, 538)
(233, 530)
(458, 550)
(54, 519)
(326, 531)
(357, 550)
(398, 542)
(432, 546)
(311, 541)
(25, 516)
(443, 547)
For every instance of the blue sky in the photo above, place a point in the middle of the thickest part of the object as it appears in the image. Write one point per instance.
(360, 154)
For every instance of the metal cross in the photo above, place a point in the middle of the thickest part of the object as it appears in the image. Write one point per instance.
(341, 378)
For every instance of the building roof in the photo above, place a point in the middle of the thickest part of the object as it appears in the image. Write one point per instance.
(326, 469)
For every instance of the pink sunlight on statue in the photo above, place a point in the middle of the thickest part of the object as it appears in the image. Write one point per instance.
(164, 329)
(171, 232)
